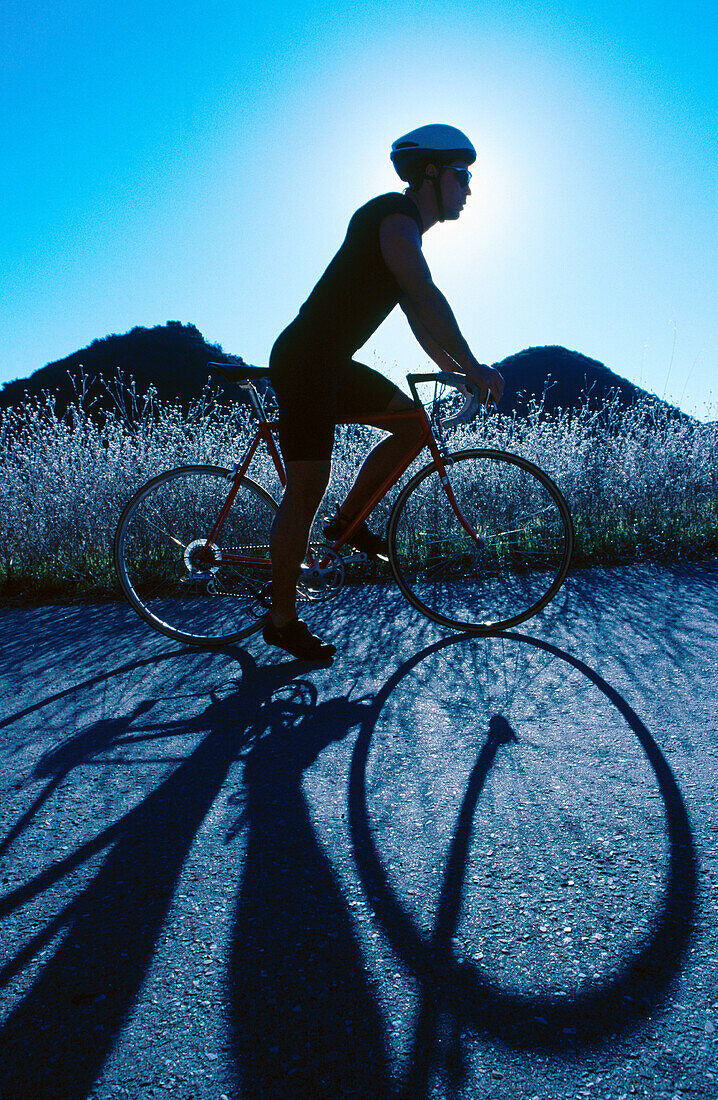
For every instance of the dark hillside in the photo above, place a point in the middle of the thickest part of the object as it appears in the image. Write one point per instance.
(172, 357)
(562, 379)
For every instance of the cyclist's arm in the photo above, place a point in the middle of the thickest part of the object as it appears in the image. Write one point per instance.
(430, 346)
(400, 244)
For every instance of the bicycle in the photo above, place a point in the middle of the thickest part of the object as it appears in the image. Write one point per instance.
(479, 540)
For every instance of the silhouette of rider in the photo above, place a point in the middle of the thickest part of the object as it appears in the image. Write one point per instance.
(317, 382)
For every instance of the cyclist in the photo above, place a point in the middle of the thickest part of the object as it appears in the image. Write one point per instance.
(317, 382)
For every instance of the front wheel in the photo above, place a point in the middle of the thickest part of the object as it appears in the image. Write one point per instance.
(498, 567)
(195, 589)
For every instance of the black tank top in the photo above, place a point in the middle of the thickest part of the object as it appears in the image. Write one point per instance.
(357, 291)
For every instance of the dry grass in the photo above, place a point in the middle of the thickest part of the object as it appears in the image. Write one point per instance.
(640, 483)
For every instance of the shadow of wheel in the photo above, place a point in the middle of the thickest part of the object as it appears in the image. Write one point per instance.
(615, 1003)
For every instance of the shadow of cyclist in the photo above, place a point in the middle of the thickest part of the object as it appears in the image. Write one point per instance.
(305, 1019)
(58, 1036)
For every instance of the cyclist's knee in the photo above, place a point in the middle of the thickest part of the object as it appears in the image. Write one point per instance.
(400, 403)
(416, 433)
(307, 482)
(410, 430)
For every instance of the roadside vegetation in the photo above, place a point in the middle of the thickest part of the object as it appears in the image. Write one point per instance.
(641, 483)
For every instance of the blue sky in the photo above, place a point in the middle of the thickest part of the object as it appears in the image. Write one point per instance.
(199, 162)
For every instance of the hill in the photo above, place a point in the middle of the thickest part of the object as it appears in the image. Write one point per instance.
(173, 357)
(563, 379)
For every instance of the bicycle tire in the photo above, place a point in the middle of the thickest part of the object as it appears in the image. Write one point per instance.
(157, 545)
(509, 570)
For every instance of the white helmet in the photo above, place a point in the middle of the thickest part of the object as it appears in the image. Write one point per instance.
(436, 143)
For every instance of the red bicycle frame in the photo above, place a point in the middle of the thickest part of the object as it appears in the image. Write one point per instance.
(266, 432)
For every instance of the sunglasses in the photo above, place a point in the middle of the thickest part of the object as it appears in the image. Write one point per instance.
(463, 175)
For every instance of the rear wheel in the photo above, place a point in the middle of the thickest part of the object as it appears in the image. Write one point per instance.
(179, 583)
(506, 567)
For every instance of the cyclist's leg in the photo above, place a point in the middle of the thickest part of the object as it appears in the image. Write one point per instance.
(307, 415)
(364, 393)
(307, 481)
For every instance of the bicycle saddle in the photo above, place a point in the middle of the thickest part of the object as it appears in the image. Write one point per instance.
(239, 372)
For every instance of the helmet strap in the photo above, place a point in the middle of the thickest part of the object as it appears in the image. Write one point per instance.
(439, 198)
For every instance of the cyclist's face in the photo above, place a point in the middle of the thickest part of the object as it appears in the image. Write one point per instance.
(454, 189)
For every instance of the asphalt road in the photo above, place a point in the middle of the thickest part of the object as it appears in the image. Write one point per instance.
(442, 867)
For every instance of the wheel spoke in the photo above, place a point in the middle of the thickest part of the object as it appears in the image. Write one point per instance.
(161, 531)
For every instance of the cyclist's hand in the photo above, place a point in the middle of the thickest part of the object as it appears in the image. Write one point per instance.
(487, 381)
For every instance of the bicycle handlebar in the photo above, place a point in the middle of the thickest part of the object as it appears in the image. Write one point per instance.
(472, 402)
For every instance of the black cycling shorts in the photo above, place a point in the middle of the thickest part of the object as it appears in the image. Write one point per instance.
(315, 391)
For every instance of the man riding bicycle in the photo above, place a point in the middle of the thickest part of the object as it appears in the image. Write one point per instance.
(317, 382)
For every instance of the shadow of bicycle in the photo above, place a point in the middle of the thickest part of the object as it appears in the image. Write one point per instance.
(503, 824)
(563, 800)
